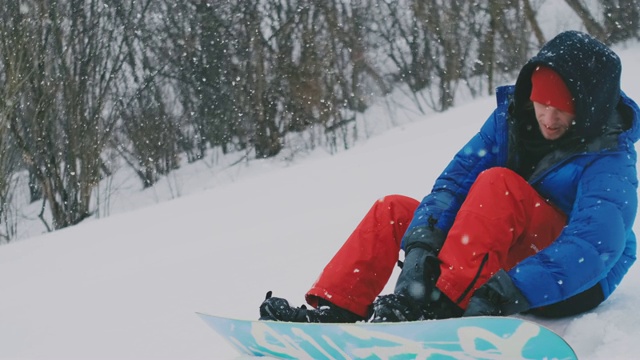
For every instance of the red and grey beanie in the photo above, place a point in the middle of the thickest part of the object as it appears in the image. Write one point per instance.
(548, 88)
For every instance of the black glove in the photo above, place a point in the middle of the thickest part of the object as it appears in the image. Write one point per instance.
(421, 268)
(418, 277)
(497, 297)
(428, 237)
(416, 285)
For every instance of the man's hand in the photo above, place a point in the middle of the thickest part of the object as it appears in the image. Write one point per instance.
(497, 297)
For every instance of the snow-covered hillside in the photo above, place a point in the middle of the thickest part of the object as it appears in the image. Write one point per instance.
(128, 286)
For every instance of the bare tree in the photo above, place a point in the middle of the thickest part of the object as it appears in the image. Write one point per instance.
(155, 79)
(147, 135)
(75, 52)
(590, 23)
(621, 19)
(433, 43)
(12, 82)
(530, 14)
(202, 57)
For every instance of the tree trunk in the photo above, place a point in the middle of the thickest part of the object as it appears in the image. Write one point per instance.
(589, 21)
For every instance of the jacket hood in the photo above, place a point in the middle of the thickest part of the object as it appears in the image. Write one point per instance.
(591, 72)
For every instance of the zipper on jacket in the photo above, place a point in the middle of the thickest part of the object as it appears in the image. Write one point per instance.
(485, 258)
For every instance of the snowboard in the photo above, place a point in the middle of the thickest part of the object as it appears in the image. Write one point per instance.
(460, 338)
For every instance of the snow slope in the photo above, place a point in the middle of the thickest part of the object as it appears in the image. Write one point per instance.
(128, 286)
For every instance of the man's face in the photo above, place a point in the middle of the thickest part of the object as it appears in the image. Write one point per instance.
(553, 122)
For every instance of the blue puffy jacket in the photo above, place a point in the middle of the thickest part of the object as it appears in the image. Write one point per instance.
(593, 181)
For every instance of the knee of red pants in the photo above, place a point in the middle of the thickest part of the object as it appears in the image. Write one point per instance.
(501, 209)
(399, 210)
(491, 174)
(362, 266)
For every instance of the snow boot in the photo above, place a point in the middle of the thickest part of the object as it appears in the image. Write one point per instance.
(278, 309)
(441, 307)
(395, 308)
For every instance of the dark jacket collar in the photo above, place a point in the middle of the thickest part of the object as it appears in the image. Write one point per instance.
(624, 118)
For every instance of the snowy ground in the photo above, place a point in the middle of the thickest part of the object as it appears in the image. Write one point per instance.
(128, 286)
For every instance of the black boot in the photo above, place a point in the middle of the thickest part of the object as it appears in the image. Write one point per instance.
(278, 309)
(396, 308)
(416, 296)
(441, 307)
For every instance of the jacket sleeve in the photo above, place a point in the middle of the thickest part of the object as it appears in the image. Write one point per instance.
(594, 241)
(434, 216)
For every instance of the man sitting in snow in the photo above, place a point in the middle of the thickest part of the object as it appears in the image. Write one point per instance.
(534, 213)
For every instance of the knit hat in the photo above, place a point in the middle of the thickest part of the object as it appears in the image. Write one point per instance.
(547, 88)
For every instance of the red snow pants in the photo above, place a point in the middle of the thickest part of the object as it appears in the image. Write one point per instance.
(502, 221)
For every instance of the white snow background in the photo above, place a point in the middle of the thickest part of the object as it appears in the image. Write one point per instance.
(128, 286)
